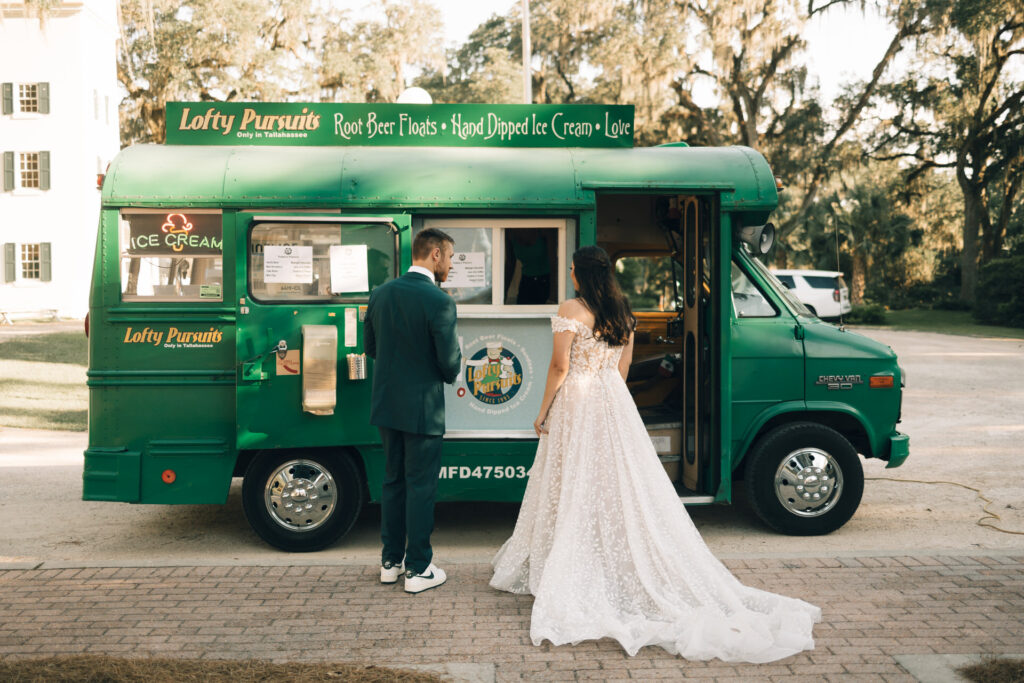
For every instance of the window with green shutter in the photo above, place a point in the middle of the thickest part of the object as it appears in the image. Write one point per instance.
(30, 262)
(28, 98)
(8, 98)
(28, 168)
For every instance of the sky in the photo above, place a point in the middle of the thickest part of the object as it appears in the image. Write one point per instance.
(842, 44)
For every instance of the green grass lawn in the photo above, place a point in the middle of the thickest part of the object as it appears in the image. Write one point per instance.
(946, 322)
(42, 381)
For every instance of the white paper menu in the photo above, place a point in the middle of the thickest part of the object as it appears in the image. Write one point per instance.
(348, 268)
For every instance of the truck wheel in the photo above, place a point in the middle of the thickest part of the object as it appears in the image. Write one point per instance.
(804, 479)
(301, 502)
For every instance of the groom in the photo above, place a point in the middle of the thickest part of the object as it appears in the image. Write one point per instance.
(410, 332)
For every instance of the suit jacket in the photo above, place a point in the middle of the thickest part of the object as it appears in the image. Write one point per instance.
(410, 333)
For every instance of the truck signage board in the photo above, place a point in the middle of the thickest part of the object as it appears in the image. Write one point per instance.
(321, 124)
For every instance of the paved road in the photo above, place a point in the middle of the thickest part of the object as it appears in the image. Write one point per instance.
(882, 619)
(963, 409)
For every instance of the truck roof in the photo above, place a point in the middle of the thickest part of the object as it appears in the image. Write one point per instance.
(444, 177)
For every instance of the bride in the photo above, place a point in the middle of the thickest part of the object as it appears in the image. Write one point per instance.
(602, 540)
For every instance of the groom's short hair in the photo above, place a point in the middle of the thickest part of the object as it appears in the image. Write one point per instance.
(428, 240)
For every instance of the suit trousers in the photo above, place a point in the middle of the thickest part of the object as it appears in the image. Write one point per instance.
(411, 468)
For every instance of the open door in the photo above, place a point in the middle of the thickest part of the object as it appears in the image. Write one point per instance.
(698, 347)
(663, 249)
(304, 281)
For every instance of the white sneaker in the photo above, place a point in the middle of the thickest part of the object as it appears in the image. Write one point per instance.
(432, 577)
(389, 571)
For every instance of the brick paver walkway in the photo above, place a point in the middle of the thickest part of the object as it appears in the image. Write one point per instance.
(875, 608)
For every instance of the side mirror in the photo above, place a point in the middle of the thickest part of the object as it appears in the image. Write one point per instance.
(760, 237)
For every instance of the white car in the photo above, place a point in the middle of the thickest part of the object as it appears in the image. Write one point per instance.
(824, 292)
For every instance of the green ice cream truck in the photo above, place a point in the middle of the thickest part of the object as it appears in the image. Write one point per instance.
(233, 266)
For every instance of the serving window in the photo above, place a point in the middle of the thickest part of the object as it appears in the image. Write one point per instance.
(506, 264)
(320, 261)
(171, 255)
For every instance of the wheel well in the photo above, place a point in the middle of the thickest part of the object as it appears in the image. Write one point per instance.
(847, 425)
(246, 457)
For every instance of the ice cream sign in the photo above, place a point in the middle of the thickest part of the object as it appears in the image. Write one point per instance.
(172, 233)
(326, 124)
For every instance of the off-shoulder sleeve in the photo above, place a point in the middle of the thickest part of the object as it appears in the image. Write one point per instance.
(560, 324)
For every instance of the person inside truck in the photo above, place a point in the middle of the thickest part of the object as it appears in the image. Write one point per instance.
(531, 250)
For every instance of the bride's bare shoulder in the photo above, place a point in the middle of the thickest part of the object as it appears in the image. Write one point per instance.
(573, 309)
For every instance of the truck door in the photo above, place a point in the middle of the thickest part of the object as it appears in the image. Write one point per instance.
(767, 351)
(303, 282)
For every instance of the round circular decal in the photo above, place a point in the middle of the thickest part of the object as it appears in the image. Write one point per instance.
(494, 374)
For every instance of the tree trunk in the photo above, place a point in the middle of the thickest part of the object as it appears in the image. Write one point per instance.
(858, 278)
(969, 256)
(991, 241)
(995, 232)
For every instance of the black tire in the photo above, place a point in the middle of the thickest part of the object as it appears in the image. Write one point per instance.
(806, 446)
(302, 501)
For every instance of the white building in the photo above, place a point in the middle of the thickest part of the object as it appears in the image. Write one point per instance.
(58, 130)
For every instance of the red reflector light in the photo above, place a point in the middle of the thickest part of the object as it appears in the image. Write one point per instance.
(99, 181)
(168, 476)
(885, 382)
(835, 295)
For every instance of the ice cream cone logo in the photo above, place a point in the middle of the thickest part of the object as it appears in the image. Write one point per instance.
(177, 224)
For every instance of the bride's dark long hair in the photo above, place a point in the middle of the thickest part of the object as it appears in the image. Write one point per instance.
(613, 320)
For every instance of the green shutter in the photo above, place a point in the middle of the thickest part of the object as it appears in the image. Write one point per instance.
(44, 261)
(8, 171)
(9, 262)
(43, 93)
(44, 170)
(8, 96)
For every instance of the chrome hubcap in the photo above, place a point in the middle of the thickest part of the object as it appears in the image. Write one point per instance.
(300, 495)
(809, 482)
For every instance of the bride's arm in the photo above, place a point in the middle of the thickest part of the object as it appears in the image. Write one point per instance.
(626, 359)
(557, 370)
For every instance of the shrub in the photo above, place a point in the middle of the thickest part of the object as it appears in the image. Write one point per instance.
(1000, 294)
(866, 314)
(951, 304)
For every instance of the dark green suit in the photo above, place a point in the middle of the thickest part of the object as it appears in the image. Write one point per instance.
(410, 333)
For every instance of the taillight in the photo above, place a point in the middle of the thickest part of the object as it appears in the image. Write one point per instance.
(835, 295)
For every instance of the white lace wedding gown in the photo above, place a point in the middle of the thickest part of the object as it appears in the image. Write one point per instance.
(607, 548)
